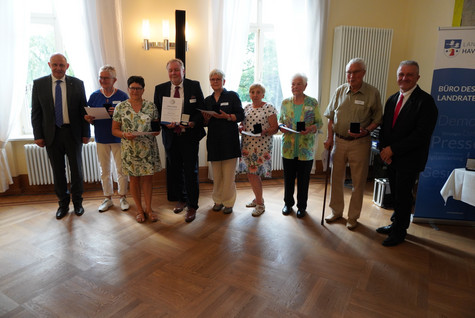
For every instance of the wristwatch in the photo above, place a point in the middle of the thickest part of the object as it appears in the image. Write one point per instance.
(230, 118)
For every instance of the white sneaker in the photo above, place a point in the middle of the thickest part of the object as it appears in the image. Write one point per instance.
(258, 210)
(106, 204)
(332, 217)
(124, 205)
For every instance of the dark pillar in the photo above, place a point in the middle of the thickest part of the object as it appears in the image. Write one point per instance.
(180, 23)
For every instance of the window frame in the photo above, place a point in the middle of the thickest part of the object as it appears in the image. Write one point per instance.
(24, 128)
(262, 34)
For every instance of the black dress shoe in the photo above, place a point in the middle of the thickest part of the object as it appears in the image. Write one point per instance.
(190, 215)
(78, 210)
(61, 213)
(301, 213)
(384, 229)
(286, 210)
(394, 240)
(180, 206)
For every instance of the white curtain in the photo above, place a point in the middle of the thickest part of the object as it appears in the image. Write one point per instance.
(99, 42)
(14, 22)
(110, 40)
(301, 27)
(229, 28)
(78, 41)
(228, 31)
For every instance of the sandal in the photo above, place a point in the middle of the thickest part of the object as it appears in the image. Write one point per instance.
(140, 217)
(152, 216)
(251, 204)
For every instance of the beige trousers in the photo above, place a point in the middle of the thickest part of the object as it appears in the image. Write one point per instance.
(355, 153)
(224, 185)
(104, 152)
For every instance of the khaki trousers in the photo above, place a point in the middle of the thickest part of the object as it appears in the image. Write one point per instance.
(224, 185)
(355, 153)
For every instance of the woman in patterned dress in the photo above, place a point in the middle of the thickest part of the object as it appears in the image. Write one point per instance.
(132, 121)
(256, 158)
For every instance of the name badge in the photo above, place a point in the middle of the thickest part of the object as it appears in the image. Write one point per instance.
(193, 100)
(359, 102)
(144, 117)
(115, 102)
(308, 107)
(224, 104)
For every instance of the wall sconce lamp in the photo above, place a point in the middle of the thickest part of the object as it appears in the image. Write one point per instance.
(165, 44)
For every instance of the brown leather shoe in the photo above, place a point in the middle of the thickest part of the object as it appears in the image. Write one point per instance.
(179, 207)
(190, 215)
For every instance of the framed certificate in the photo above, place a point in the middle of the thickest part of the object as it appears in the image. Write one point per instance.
(171, 110)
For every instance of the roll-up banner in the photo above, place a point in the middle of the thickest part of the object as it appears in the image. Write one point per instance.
(453, 140)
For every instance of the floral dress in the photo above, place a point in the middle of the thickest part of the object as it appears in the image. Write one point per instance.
(257, 151)
(140, 157)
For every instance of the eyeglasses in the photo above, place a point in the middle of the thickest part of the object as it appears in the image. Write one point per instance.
(354, 72)
(135, 88)
(105, 78)
(215, 79)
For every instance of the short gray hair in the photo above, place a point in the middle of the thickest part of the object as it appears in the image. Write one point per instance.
(108, 68)
(410, 62)
(217, 72)
(176, 61)
(302, 76)
(357, 60)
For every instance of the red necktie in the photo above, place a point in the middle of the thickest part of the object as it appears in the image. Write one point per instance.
(398, 107)
(177, 129)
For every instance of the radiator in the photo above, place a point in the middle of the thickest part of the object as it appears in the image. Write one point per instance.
(39, 168)
(373, 45)
(277, 153)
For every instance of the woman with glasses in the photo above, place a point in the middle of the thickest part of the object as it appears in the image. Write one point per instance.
(132, 121)
(108, 96)
(223, 140)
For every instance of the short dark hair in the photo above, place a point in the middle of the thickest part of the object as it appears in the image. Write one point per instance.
(136, 79)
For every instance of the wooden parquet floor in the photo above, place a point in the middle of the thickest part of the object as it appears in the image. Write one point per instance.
(107, 265)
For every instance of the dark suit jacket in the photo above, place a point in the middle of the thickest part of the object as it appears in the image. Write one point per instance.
(193, 101)
(42, 109)
(410, 137)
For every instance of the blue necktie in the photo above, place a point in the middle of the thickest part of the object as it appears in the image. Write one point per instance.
(58, 104)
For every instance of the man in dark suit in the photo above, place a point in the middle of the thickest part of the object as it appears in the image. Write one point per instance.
(57, 117)
(182, 140)
(409, 119)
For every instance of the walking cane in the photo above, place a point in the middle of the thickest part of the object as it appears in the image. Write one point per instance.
(326, 182)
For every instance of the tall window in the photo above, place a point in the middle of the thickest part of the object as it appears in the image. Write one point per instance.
(44, 40)
(260, 64)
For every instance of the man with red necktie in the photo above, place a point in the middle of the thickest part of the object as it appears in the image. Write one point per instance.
(409, 119)
(182, 140)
